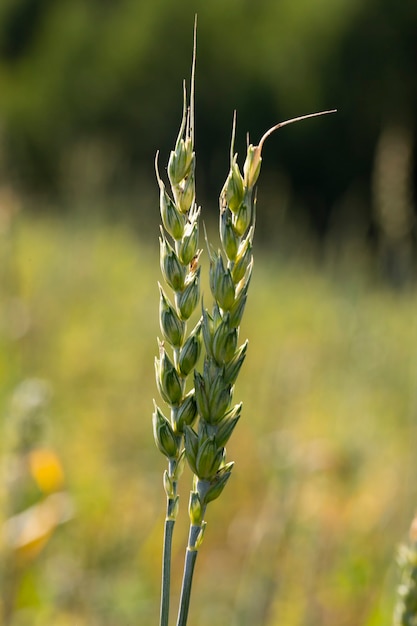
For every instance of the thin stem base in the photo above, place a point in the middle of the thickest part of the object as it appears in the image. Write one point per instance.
(166, 572)
(190, 559)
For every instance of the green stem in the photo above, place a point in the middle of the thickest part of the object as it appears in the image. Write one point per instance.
(167, 546)
(190, 559)
(166, 570)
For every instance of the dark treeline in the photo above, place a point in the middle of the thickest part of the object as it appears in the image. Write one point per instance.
(90, 89)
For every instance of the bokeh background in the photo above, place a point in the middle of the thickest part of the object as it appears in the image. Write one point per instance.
(324, 487)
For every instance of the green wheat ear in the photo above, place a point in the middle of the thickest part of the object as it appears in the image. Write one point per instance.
(179, 351)
(202, 419)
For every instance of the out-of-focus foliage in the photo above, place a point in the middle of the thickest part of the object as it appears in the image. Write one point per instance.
(324, 484)
(89, 89)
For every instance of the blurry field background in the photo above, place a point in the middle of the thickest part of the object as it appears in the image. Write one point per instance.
(324, 486)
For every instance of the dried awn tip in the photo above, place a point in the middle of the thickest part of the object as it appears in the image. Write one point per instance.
(252, 164)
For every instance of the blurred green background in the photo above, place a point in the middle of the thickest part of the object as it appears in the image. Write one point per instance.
(324, 486)
(91, 89)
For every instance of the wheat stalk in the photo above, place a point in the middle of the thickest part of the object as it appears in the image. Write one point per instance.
(203, 419)
(178, 353)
